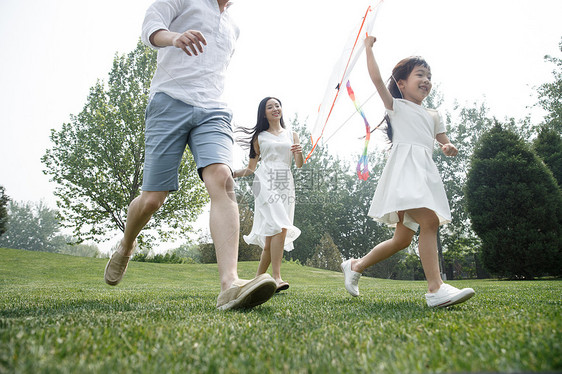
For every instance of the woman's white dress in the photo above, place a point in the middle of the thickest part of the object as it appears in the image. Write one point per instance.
(410, 178)
(274, 190)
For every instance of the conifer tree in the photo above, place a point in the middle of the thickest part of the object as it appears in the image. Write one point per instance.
(548, 146)
(326, 255)
(515, 207)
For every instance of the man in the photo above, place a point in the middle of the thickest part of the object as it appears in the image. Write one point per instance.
(195, 40)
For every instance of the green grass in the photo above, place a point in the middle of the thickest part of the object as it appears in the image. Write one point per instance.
(57, 315)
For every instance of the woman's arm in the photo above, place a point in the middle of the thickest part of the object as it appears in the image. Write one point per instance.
(248, 170)
(252, 164)
(297, 151)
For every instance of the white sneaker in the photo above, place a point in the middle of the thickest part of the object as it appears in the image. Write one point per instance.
(448, 295)
(351, 278)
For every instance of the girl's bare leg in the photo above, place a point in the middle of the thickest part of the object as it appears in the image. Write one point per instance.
(401, 239)
(429, 224)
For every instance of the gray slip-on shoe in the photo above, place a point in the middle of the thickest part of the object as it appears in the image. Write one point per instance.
(116, 267)
(244, 294)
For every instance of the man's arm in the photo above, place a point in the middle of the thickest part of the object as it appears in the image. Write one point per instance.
(191, 41)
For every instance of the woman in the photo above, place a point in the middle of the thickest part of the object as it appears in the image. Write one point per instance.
(273, 187)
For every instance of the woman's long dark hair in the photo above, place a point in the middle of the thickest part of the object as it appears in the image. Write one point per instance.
(262, 124)
(402, 70)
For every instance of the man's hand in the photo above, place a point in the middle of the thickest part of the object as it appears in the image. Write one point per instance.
(191, 42)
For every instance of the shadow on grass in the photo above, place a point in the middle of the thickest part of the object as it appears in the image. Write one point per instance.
(264, 309)
(391, 309)
(378, 305)
(50, 308)
(189, 303)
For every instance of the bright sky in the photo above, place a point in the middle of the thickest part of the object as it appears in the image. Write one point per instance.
(53, 51)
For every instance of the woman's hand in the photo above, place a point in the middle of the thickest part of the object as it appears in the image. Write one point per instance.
(296, 149)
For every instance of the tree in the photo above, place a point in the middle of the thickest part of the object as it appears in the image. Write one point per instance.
(389, 268)
(246, 252)
(515, 206)
(189, 251)
(207, 249)
(33, 227)
(460, 262)
(82, 250)
(548, 146)
(410, 267)
(4, 200)
(208, 254)
(550, 95)
(326, 255)
(97, 159)
(465, 127)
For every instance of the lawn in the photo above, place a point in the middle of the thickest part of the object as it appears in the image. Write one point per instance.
(57, 316)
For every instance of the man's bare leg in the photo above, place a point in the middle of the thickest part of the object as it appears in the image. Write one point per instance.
(140, 211)
(224, 222)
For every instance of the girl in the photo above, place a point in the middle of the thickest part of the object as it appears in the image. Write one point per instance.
(410, 192)
(273, 187)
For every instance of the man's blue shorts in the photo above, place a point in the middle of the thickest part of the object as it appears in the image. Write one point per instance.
(171, 125)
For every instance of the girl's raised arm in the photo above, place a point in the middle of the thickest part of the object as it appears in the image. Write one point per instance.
(375, 73)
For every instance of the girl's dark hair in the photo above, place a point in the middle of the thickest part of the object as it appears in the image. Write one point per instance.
(402, 70)
(262, 124)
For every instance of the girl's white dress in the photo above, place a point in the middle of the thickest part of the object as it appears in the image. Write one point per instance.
(410, 178)
(274, 190)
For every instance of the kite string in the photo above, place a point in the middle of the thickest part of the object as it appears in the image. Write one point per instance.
(361, 106)
(351, 116)
(347, 66)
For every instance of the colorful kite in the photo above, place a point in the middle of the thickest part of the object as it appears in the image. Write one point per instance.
(340, 74)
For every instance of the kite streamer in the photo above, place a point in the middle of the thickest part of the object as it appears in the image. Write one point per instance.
(363, 164)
